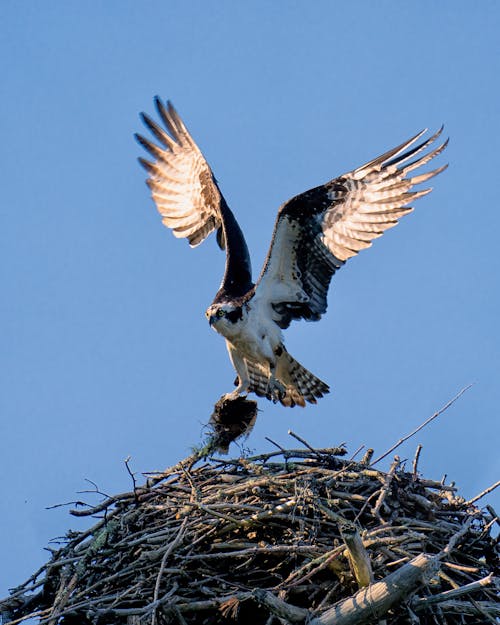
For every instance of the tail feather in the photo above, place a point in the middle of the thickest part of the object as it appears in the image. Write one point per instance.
(300, 384)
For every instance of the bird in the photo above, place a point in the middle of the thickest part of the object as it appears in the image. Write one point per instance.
(315, 233)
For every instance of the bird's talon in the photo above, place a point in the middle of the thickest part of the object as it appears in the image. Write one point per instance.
(275, 391)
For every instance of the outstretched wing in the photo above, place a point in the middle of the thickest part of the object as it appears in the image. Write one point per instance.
(181, 181)
(317, 231)
(188, 198)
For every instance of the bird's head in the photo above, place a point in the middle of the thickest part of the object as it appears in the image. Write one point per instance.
(223, 316)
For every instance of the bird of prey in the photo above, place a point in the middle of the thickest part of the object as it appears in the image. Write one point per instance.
(315, 233)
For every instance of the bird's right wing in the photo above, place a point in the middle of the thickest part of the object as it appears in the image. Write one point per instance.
(182, 184)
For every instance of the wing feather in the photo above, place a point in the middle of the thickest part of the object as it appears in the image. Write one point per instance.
(317, 231)
(182, 184)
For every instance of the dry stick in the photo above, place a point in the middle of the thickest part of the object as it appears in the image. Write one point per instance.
(134, 482)
(472, 608)
(358, 450)
(426, 422)
(173, 545)
(38, 614)
(358, 556)
(304, 442)
(62, 598)
(282, 449)
(422, 602)
(106, 503)
(376, 599)
(482, 494)
(483, 612)
(415, 461)
(178, 616)
(456, 537)
(288, 453)
(495, 516)
(367, 458)
(243, 553)
(312, 567)
(385, 488)
(280, 608)
(187, 462)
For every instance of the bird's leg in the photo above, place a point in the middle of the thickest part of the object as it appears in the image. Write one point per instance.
(275, 389)
(243, 381)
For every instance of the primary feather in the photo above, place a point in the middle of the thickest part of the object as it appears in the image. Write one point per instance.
(181, 181)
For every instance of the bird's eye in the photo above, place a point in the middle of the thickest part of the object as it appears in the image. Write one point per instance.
(221, 313)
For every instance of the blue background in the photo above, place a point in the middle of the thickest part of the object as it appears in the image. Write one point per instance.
(105, 350)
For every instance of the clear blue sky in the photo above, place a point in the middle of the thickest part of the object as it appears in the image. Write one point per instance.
(105, 349)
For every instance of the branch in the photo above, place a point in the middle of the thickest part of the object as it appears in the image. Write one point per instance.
(358, 556)
(375, 600)
(483, 493)
(385, 488)
(421, 602)
(280, 608)
(426, 422)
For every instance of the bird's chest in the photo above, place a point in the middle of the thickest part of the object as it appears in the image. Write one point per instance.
(256, 336)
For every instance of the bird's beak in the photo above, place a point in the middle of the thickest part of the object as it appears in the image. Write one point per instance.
(211, 320)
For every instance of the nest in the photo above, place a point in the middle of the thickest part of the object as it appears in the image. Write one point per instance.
(295, 536)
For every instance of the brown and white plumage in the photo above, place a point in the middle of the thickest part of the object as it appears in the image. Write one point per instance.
(315, 233)
(181, 181)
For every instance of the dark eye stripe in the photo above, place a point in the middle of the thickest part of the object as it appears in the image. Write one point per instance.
(234, 315)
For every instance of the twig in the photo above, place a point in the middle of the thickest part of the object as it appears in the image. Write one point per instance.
(134, 483)
(280, 608)
(415, 461)
(38, 614)
(367, 458)
(171, 547)
(473, 608)
(358, 450)
(385, 488)
(456, 537)
(282, 449)
(421, 602)
(103, 505)
(426, 422)
(495, 516)
(304, 442)
(483, 493)
(483, 611)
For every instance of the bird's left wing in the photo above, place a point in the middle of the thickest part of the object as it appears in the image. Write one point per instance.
(317, 231)
(181, 181)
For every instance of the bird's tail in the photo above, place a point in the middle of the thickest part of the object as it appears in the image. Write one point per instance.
(300, 385)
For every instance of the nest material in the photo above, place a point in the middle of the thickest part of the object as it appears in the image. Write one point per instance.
(298, 536)
(231, 419)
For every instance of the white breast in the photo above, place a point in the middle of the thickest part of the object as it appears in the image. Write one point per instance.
(259, 336)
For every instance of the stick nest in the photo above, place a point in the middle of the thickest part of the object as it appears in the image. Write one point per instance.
(295, 536)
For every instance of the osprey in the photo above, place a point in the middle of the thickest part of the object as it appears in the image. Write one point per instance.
(315, 233)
